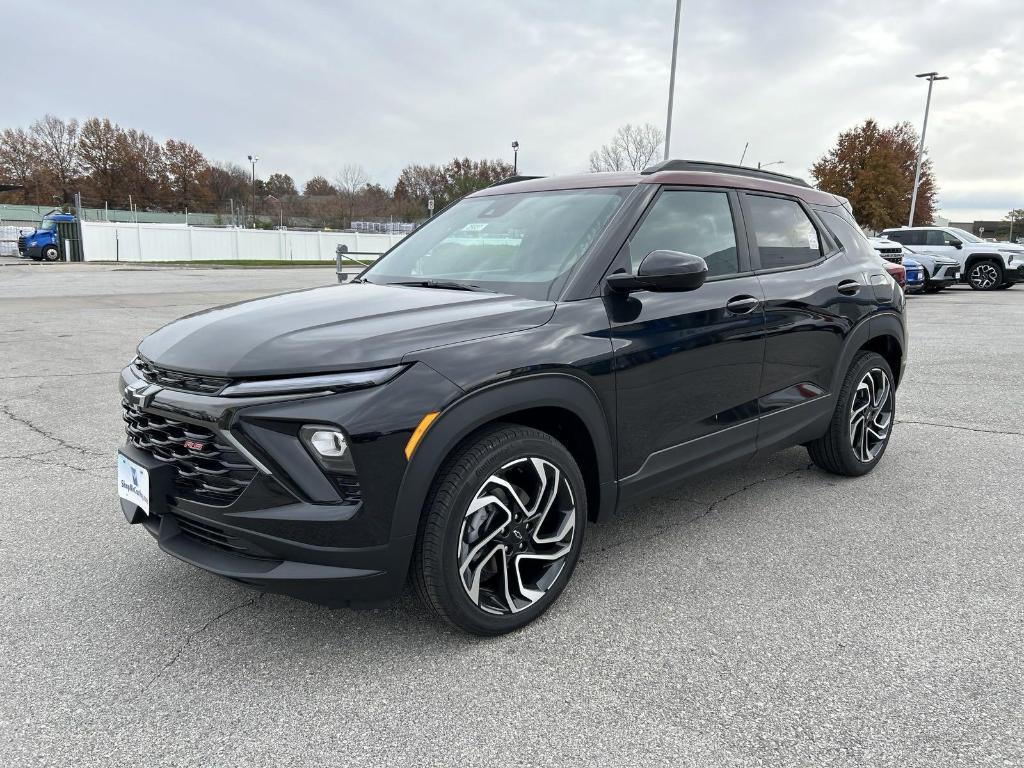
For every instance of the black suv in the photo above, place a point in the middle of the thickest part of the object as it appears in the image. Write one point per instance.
(532, 358)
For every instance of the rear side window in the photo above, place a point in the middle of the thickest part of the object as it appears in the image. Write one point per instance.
(784, 234)
(939, 237)
(909, 236)
(691, 222)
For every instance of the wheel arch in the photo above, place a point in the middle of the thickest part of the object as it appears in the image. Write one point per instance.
(561, 404)
(883, 333)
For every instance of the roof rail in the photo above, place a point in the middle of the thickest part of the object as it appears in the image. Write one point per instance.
(512, 180)
(735, 170)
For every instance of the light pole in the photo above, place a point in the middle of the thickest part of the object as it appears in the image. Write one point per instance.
(931, 77)
(515, 158)
(672, 78)
(253, 159)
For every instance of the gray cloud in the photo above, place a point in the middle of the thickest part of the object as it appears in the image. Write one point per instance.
(310, 86)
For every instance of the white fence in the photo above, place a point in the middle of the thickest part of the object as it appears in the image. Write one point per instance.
(109, 241)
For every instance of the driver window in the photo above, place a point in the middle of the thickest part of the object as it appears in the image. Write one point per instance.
(691, 222)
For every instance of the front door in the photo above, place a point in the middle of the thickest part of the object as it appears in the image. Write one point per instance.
(688, 364)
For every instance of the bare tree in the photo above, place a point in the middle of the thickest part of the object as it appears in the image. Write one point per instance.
(351, 178)
(58, 150)
(632, 148)
(18, 158)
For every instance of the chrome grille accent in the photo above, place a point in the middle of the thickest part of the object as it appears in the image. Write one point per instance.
(214, 474)
(186, 382)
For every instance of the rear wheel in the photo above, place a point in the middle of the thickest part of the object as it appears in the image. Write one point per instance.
(860, 428)
(985, 275)
(502, 532)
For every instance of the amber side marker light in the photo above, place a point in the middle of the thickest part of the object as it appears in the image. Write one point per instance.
(417, 434)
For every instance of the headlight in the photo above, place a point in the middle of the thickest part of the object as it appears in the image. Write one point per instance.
(331, 382)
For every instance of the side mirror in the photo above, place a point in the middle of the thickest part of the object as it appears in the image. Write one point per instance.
(958, 244)
(663, 271)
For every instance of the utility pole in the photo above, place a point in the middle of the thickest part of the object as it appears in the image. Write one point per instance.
(931, 77)
(253, 159)
(672, 79)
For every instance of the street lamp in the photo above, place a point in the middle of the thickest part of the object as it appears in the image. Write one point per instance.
(931, 77)
(672, 78)
(515, 158)
(253, 159)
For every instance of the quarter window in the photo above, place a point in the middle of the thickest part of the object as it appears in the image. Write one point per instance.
(693, 222)
(785, 235)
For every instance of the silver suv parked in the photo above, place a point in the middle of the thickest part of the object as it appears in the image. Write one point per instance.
(984, 266)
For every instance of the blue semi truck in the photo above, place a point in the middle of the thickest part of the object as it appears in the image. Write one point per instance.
(43, 243)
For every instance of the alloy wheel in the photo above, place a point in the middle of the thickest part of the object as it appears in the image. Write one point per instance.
(871, 415)
(516, 535)
(984, 275)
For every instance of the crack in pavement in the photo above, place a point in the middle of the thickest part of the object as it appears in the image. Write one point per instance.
(660, 528)
(192, 635)
(960, 427)
(6, 411)
(57, 375)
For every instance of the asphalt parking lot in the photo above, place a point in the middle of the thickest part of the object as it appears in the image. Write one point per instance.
(766, 615)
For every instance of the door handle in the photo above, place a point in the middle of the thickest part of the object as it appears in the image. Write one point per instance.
(849, 287)
(740, 305)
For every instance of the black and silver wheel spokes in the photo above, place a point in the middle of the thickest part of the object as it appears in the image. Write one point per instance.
(984, 275)
(516, 535)
(871, 415)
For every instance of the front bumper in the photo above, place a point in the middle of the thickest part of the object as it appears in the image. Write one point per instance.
(288, 530)
(30, 251)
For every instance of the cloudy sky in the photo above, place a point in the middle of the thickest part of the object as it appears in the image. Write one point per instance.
(310, 86)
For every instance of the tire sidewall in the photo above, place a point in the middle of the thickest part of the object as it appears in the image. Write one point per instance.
(466, 613)
(50, 253)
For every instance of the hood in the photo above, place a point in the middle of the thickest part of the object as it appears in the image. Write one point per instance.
(336, 328)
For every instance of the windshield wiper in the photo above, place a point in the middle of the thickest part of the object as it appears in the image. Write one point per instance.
(451, 284)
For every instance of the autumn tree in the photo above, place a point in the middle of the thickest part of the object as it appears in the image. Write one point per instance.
(58, 151)
(280, 185)
(317, 186)
(102, 151)
(226, 182)
(185, 167)
(632, 148)
(873, 167)
(18, 159)
(1016, 219)
(143, 169)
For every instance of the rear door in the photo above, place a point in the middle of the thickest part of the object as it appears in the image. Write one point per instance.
(688, 365)
(814, 296)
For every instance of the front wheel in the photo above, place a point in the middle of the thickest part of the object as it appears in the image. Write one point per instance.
(985, 276)
(50, 253)
(502, 531)
(860, 428)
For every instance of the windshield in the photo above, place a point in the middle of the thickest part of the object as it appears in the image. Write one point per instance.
(524, 243)
(964, 235)
(48, 225)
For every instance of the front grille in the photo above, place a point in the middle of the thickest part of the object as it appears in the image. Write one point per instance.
(208, 469)
(186, 382)
(22, 243)
(893, 257)
(890, 251)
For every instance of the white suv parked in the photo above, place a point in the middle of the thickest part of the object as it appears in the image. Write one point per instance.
(985, 266)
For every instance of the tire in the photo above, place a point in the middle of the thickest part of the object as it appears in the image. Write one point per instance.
(50, 253)
(985, 275)
(455, 570)
(848, 448)
(932, 288)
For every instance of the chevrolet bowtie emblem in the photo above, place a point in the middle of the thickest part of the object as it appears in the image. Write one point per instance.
(140, 393)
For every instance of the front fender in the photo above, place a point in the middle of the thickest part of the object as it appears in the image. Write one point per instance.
(491, 403)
